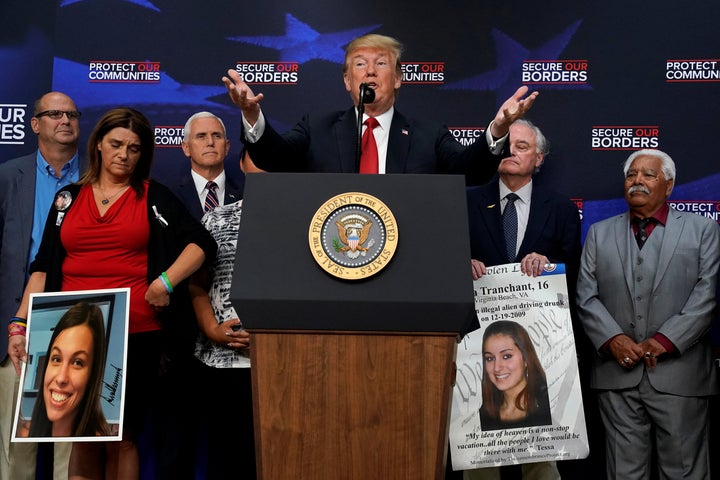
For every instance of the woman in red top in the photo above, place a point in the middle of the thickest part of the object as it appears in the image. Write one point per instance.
(115, 229)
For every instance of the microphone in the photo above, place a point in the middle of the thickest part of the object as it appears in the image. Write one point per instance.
(367, 94)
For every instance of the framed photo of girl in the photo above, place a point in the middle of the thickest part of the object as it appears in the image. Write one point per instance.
(517, 396)
(72, 385)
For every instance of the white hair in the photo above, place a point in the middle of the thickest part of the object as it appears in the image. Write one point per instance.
(186, 130)
(668, 166)
(543, 146)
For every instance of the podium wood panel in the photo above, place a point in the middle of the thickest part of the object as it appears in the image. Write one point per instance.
(351, 405)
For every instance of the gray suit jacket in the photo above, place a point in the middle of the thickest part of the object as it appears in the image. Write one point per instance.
(17, 199)
(683, 300)
(17, 203)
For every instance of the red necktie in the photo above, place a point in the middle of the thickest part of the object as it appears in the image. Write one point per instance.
(369, 155)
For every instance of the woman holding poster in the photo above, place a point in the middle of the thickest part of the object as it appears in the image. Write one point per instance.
(514, 387)
(118, 228)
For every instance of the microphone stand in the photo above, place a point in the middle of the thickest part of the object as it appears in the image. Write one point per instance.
(367, 95)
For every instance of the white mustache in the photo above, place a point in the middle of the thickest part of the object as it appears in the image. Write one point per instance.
(638, 188)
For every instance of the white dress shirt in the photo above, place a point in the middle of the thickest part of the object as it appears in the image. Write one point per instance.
(201, 187)
(254, 132)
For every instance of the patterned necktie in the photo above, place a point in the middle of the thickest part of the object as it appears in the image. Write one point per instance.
(369, 155)
(641, 235)
(510, 226)
(211, 199)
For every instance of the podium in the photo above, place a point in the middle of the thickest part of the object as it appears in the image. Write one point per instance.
(352, 379)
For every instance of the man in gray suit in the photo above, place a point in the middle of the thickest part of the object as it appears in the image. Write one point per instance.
(645, 296)
(27, 188)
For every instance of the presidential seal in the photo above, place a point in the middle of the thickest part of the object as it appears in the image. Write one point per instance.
(353, 236)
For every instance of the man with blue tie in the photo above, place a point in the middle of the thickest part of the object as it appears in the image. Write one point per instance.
(513, 220)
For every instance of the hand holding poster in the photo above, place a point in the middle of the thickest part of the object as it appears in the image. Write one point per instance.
(517, 395)
(72, 385)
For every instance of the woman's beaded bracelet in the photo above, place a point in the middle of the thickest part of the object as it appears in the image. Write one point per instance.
(17, 326)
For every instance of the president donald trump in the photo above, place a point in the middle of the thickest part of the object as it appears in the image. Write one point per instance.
(646, 296)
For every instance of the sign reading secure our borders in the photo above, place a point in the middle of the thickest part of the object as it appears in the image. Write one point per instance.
(353, 235)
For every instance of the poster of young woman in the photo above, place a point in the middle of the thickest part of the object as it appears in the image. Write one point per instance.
(72, 384)
(517, 395)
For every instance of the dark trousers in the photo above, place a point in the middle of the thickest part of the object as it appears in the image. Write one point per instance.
(177, 418)
(228, 417)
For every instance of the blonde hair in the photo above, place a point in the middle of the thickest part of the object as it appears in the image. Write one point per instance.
(380, 42)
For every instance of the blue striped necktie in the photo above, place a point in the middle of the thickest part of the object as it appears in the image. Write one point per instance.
(211, 199)
(510, 226)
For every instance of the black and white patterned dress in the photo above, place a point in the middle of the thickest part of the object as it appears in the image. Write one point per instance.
(223, 224)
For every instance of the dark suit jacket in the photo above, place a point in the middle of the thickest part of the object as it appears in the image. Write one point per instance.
(326, 143)
(17, 204)
(553, 228)
(186, 192)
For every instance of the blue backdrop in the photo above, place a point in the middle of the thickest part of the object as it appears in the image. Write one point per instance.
(614, 76)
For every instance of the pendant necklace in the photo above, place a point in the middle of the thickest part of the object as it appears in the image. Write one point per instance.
(107, 199)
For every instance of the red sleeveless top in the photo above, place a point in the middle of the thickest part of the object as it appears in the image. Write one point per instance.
(110, 251)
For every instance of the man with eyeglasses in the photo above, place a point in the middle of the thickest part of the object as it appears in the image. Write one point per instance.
(27, 187)
(326, 142)
(58, 114)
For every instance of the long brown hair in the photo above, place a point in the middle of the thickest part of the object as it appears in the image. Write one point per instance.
(536, 384)
(90, 420)
(136, 122)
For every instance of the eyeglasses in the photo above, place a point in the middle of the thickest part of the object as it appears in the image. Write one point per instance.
(57, 114)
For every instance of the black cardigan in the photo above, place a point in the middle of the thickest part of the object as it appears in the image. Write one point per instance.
(169, 235)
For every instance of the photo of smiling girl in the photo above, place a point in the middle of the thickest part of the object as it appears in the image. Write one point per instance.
(514, 386)
(69, 405)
